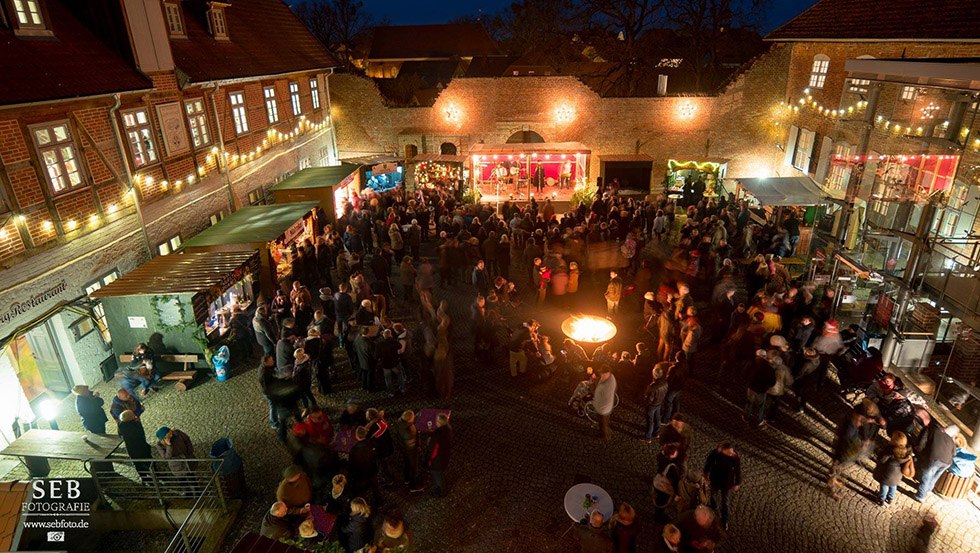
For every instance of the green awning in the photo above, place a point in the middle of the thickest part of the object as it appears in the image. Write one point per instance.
(252, 225)
(317, 177)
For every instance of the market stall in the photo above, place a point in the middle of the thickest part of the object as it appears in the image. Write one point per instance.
(771, 197)
(519, 170)
(181, 303)
(380, 173)
(709, 171)
(270, 229)
(429, 171)
(334, 187)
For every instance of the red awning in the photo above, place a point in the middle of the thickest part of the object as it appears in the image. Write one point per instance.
(530, 148)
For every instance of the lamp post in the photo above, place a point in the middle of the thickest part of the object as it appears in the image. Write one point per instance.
(49, 411)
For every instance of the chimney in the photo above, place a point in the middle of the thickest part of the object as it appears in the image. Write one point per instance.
(661, 85)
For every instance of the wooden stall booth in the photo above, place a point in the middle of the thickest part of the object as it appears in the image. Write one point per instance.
(270, 229)
(334, 187)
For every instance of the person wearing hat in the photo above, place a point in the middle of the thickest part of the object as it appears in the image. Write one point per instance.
(295, 489)
(134, 439)
(89, 407)
(303, 376)
(393, 536)
(614, 292)
(175, 446)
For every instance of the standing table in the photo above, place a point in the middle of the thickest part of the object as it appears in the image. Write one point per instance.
(36, 446)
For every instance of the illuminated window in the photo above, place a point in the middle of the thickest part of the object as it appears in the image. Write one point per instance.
(818, 73)
(237, 100)
(198, 122)
(315, 92)
(216, 20)
(56, 149)
(98, 311)
(140, 137)
(271, 109)
(175, 25)
(840, 171)
(858, 86)
(908, 93)
(28, 14)
(216, 217)
(804, 148)
(294, 98)
(170, 246)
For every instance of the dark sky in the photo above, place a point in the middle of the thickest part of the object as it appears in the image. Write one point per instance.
(404, 12)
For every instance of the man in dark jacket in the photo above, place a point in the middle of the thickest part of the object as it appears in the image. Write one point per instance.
(442, 448)
(276, 524)
(363, 463)
(481, 279)
(265, 332)
(285, 348)
(654, 397)
(935, 449)
(407, 440)
(723, 472)
(762, 377)
(89, 408)
(125, 401)
(343, 306)
(176, 446)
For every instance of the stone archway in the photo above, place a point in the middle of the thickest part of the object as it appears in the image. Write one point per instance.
(447, 149)
(525, 137)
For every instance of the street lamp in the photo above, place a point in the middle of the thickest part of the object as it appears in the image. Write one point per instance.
(49, 411)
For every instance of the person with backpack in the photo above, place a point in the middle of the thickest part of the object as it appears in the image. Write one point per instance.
(667, 480)
(894, 464)
(653, 398)
(723, 471)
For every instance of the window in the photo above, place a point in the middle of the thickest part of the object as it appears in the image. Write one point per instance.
(216, 217)
(56, 149)
(256, 197)
(840, 171)
(174, 24)
(818, 73)
(271, 110)
(908, 93)
(216, 20)
(237, 100)
(97, 311)
(140, 137)
(28, 14)
(804, 147)
(198, 122)
(858, 86)
(294, 98)
(315, 92)
(170, 246)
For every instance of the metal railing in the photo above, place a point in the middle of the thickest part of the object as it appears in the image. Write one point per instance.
(191, 489)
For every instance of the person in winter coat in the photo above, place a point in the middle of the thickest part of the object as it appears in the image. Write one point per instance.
(690, 336)
(276, 524)
(666, 332)
(677, 432)
(363, 463)
(891, 465)
(624, 529)
(442, 447)
(573, 274)
(356, 532)
(176, 446)
(125, 401)
(397, 241)
(805, 379)
(723, 472)
(935, 449)
(614, 292)
(265, 331)
(134, 439)
(784, 380)
(89, 406)
(604, 399)
(295, 488)
(381, 439)
(407, 441)
(762, 378)
(593, 535)
(853, 442)
(406, 278)
(393, 536)
(666, 483)
(481, 278)
(654, 397)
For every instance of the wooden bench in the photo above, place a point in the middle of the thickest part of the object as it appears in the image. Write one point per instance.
(183, 378)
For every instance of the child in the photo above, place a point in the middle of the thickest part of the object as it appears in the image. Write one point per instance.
(893, 464)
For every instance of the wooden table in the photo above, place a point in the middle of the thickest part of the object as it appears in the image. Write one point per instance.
(37, 446)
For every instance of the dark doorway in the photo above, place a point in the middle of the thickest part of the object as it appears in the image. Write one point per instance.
(525, 137)
(411, 150)
(447, 149)
(632, 175)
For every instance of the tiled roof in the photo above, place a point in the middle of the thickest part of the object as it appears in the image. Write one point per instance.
(266, 39)
(73, 64)
(911, 20)
(431, 41)
(12, 496)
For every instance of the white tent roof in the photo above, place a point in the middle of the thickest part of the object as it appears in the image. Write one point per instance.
(776, 191)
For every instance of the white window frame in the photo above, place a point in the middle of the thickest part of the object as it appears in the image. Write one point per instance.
(175, 21)
(294, 97)
(818, 71)
(271, 107)
(59, 155)
(197, 120)
(28, 14)
(236, 100)
(216, 217)
(139, 137)
(840, 168)
(858, 86)
(217, 23)
(908, 93)
(804, 150)
(315, 92)
(98, 311)
(168, 247)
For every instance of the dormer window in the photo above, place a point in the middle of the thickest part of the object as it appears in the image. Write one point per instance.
(28, 17)
(216, 20)
(175, 25)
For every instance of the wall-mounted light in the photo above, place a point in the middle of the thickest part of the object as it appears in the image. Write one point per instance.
(453, 114)
(687, 110)
(564, 114)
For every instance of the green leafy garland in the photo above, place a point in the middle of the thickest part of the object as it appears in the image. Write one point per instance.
(324, 546)
(199, 335)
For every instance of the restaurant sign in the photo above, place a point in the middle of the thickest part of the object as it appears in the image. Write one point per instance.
(384, 168)
(19, 308)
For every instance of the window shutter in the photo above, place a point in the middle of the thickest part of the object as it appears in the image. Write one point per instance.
(823, 160)
(808, 152)
(794, 131)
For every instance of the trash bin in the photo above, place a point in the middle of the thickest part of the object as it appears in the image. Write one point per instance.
(231, 471)
(220, 361)
(952, 486)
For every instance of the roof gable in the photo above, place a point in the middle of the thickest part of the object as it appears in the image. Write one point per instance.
(431, 41)
(908, 20)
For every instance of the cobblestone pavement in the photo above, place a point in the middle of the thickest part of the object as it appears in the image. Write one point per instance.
(519, 448)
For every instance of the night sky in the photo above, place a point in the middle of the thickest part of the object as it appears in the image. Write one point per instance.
(402, 12)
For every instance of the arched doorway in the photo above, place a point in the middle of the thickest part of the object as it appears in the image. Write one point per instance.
(525, 137)
(447, 149)
(411, 150)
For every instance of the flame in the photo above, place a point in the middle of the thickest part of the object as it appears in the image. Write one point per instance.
(586, 328)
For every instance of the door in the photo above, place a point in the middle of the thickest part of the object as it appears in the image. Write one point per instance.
(49, 359)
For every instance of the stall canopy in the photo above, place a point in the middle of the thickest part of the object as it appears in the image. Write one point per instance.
(317, 177)
(530, 148)
(372, 159)
(254, 225)
(438, 158)
(187, 273)
(783, 191)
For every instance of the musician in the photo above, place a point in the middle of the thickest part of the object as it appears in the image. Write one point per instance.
(538, 178)
(565, 178)
(500, 172)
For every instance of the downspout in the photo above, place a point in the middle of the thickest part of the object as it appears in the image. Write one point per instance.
(333, 131)
(222, 162)
(137, 195)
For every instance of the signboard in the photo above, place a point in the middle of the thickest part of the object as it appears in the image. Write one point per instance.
(883, 313)
(384, 168)
(172, 125)
(19, 308)
(137, 322)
